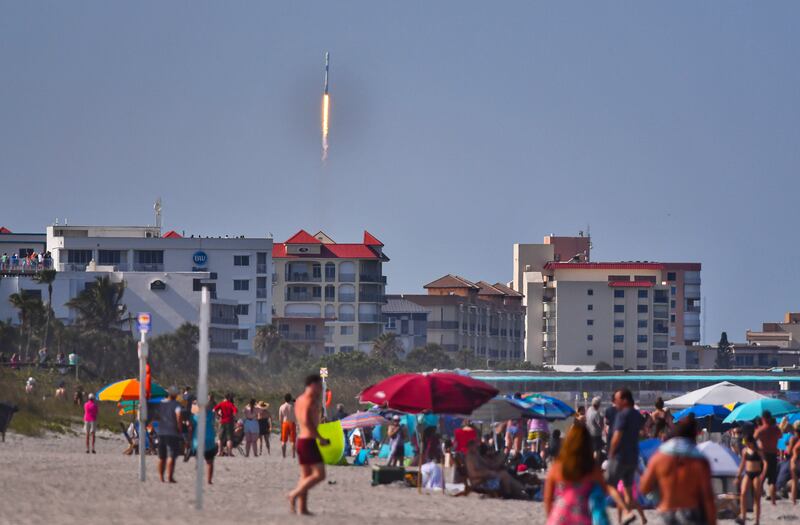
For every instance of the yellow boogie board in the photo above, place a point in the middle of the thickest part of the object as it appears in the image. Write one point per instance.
(333, 452)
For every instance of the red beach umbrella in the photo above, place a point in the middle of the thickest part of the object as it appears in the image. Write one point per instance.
(438, 393)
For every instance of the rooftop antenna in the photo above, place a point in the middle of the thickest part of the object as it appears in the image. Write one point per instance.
(56, 224)
(157, 209)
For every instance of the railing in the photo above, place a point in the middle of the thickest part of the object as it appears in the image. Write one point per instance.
(23, 267)
(372, 278)
(224, 345)
(365, 297)
(347, 277)
(71, 267)
(347, 297)
(261, 293)
(300, 297)
(443, 325)
(297, 336)
(224, 320)
(298, 277)
(346, 317)
(261, 268)
(151, 267)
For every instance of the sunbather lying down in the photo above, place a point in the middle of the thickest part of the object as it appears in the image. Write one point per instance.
(487, 474)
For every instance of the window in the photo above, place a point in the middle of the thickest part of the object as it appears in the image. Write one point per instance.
(672, 304)
(641, 338)
(330, 292)
(346, 330)
(346, 349)
(240, 335)
(660, 356)
(404, 326)
(660, 296)
(79, 256)
(316, 271)
(619, 338)
(619, 323)
(241, 260)
(619, 308)
(242, 309)
(673, 290)
(590, 337)
(619, 354)
(619, 294)
(642, 323)
(641, 354)
(316, 292)
(643, 294)
(109, 256)
(670, 276)
(391, 323)
(676, 356)
(641, 308)
(590, 307)
(150, 257)
(672, 318)
(589, 292)
(590, 352)
(590, 322)
(241, 284)
(330, 271)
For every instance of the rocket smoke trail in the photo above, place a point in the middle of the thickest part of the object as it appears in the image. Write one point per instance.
(326, 106)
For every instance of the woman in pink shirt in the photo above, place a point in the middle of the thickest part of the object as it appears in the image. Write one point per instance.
(90, 420)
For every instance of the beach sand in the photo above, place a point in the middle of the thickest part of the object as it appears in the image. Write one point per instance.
(52, 481)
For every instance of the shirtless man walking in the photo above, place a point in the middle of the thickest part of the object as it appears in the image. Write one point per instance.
(307, 409)
(288, 424)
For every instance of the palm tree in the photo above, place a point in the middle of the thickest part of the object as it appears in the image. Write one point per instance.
(387, 347)
(29, 308)
(47, 277)
(266, 342)
(100, 307)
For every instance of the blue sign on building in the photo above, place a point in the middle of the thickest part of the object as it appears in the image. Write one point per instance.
(200, 258)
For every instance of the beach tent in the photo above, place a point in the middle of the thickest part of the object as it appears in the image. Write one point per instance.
(723, 462)
(718, 394)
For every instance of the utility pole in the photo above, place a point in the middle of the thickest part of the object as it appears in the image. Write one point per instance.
(143, 323)
(202, 392)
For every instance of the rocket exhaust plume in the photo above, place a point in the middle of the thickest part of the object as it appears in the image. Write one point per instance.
(326, 107)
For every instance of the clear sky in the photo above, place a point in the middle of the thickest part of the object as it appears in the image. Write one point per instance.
(457, 129)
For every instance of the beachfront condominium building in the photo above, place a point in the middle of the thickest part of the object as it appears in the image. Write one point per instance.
(630, 315)
(317, 278)
(784, 335)
(477, 317)
(407, 320)
(163, 275)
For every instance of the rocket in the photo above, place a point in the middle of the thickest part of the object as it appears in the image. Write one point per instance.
(326, 107)
(327, 64)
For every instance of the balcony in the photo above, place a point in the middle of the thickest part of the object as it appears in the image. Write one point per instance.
(261, 293)
(215, 319)
(366, 297)
(300, 296)
(370, 318)
(302, 277)
(261, 318)
(691, 333)
(261, 268)
(691, 319)
(346, 318)
(691, 291)
(347, 277)
(372, 278)
(303, 337)
(228, 345)
(443, 325)
(62, 267)
(151, 267)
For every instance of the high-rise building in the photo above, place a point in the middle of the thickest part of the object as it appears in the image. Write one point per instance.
(317, 278)
(636, 314)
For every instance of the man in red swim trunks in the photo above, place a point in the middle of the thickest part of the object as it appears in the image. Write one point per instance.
(312, 469)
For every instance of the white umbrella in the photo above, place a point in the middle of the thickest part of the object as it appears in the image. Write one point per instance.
(723, 462)
(720, 394)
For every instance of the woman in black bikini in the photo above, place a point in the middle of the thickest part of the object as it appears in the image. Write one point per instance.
(751, 476)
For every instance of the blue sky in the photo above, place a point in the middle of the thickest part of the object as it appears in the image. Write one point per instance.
(457, 129)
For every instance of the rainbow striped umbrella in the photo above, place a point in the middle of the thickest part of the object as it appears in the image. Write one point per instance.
(363, 419)
(127, 390)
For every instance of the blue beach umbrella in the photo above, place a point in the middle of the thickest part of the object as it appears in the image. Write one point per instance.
(701, 411)
(753, 409)
(547, 407)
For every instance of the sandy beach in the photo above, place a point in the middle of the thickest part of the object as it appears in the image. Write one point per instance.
(51, 481)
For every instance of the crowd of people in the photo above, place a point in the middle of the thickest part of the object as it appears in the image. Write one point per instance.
(33, 261)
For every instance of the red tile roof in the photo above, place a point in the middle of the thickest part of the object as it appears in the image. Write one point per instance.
(172, 234)
(452, 281)
(631, 284)
(371, 240)
(506, 290)
(605, 266)
(302, 237)
(3, 229)
(488, 289)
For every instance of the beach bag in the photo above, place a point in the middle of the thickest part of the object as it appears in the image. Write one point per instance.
(597, 506)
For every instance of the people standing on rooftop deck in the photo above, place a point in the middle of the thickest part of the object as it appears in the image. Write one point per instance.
(623, 452)
(768, 435)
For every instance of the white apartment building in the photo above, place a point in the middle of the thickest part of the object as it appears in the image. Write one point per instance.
(163, 276)
(343, 284)
(630, 315)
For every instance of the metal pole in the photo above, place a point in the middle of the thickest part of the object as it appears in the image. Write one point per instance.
(324, 398)
(202, 393)
(142, 404)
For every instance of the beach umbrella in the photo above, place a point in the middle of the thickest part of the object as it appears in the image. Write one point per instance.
(501, 408)
(362, 419)
(127, 390)
(753, 409)
(701, 411)
(437, 393)
(723, 462)
(718, 394)
(783, 443)
(547, 407)
(648, 447)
